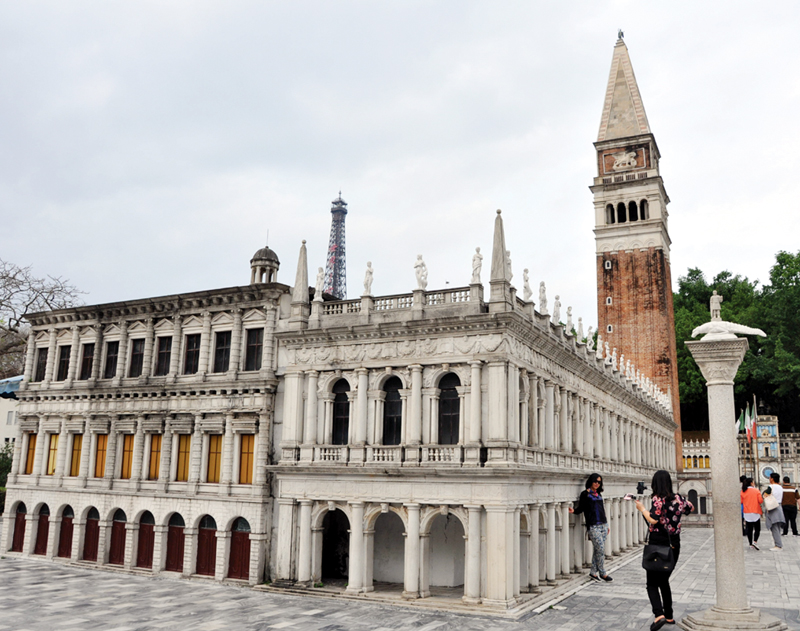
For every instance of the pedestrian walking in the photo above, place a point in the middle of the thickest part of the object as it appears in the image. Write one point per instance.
(751, 505)
(774, 519)
(590, 503)
(664, 519)
(789, 505)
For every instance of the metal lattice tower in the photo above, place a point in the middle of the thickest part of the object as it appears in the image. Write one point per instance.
(336, 265)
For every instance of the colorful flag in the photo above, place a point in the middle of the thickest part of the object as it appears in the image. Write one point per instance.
(740, 423)
(750, 423)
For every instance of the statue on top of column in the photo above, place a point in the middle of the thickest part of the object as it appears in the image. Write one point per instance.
(508, 266)
(569, 320)
(477, 263)
(716, 306)
(318, 285)
(556, 318)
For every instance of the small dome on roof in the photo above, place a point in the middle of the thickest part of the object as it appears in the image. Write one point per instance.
(265, 254)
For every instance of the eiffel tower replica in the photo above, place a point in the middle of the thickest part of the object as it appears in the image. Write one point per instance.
(336, 264)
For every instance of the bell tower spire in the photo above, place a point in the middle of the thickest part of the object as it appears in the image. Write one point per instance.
(634, 280)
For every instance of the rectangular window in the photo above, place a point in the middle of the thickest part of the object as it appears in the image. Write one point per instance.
(214, 457)
(191, 361)
(222, 353)
(41, 364)
(137, 358)
(112, 352)
(52, 454)
(255, 341)
(86, 362)
(127, 457)
(31, 454)
(75, 459)
(155, 457)
(100, 456)
(184, 454)
(164, 353)
(10, 418)
(63, 363)
(246, 458)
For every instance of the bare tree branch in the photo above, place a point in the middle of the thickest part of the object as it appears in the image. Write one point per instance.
(22, 293)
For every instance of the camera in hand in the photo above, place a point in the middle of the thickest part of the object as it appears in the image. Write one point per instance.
(640, 488)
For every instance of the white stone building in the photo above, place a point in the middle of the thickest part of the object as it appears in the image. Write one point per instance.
(434, 439)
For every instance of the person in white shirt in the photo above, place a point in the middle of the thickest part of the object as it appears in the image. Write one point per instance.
(774, 518)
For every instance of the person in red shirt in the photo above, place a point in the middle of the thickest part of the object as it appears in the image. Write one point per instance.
(751, 507)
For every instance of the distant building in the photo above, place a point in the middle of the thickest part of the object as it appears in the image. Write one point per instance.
(694, 483)
(9, 418)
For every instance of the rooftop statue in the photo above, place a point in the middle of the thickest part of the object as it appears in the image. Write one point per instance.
(368, 279)
(421, 270)
(556, 310)
(527, 292)
(569, 320)
(477, 263)
(318, 285)
(542, 298)
(508, 265)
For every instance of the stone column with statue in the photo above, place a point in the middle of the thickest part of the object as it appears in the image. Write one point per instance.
(719, 354)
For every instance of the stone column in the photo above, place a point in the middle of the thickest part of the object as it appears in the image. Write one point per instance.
(472, 588)
(500, 556)
(411, 563)
(533, 548)
(147, 358)
(614, 523)
(565, 540)
(283, 556)
(475, 403)
(512, 402)
(563, 421)
(51, 357)
(356, 573)
(549, 417)
(97, 358)
(204, 361)
(226, 475)
(613, 428)
(195, 455)
(122, 354)
(304, 549)
(236, 344)
(361, 406)
(30, 353)
(415, 417)
(138, 452)
(719, 355)
(267, 351)
(175, 352)
(588, 442)
(74, 353)
(61, 453)
(310, 427)
(550, 567)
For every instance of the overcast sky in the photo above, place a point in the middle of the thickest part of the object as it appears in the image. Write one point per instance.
(146, 148)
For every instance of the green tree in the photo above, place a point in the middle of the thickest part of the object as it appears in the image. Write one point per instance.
(6, 454)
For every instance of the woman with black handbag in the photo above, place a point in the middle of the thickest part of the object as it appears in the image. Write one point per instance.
(664, 545)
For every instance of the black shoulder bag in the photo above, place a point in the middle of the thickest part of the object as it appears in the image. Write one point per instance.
(658, 558)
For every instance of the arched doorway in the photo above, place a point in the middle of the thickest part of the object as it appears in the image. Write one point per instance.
(42, 531)
(144, 552)
(207, 546)
(388, 563)
(446, 552)
(239, 561)
(19, 528)
(65, 536)
(175, 541)
(335, 546)
(92, 537)
(392, 412)
(116, 552)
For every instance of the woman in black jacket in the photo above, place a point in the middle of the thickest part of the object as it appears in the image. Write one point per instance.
(590, 503)
(664, 520)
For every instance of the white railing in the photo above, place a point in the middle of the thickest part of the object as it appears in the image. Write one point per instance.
(385, 454)
(389, 303)
(442, 454)
(341, 307)
(330, 454)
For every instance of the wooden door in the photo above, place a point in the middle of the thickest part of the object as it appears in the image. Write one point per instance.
(19, 532)
(240, 555)
(91, 539)
(116, 554)
(65, 538)
(144, 554)
(41, 535)
(206, 551)
(175, 539)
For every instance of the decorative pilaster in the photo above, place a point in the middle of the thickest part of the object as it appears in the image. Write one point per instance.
(74, 353)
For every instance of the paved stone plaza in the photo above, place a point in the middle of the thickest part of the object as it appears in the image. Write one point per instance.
(40, 595)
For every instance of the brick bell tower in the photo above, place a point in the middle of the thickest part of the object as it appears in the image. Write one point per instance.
(634, 282)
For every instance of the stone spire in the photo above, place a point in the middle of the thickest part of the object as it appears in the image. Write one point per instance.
(300, 300)
(623, 110)
(500, 296)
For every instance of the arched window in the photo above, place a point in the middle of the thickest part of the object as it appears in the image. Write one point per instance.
(177, 521)
(68, 513)
(392, 412)
(241, 525)
(707, 462)
(610, 214)
(341, 413)
(622, 215)
(693, 499)
(449, 409)
(694, 462)
(633, 211)
(93, 514)
(645, 211)
(147, 519)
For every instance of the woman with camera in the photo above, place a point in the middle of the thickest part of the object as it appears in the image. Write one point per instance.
(664, 520)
